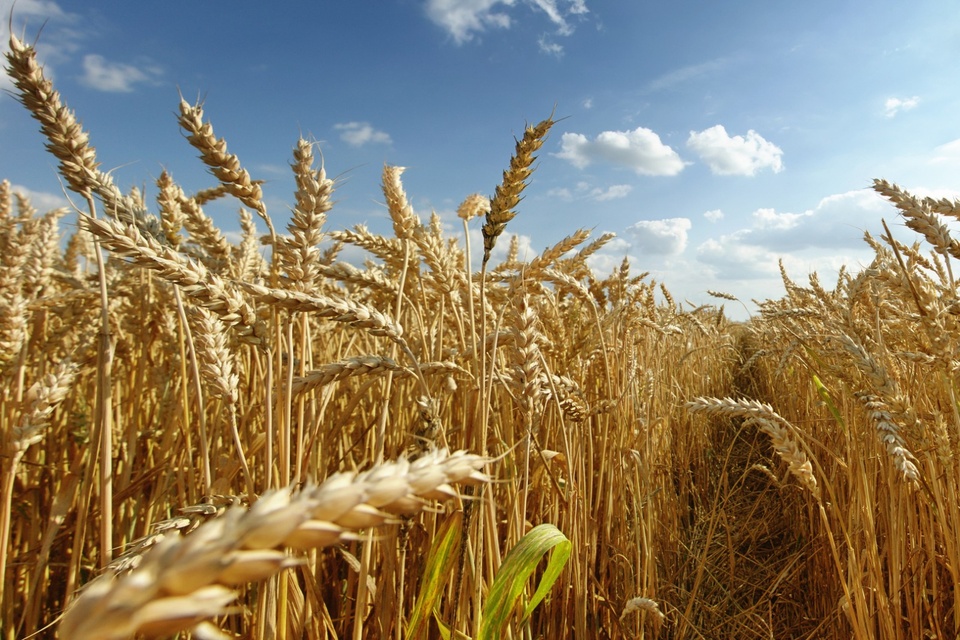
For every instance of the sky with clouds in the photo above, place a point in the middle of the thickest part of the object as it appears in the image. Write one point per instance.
(714, 139)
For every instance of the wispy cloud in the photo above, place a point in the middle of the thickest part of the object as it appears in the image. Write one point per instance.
(640, 150)
(584, 190)
(684, 74)
(735, 155)
(357, 134)
(893, 106)
(949, 152)
(464, 20)
(714, 215)
(550, 48)
(116, 77)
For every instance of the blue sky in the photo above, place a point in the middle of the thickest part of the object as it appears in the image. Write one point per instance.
(712, 138)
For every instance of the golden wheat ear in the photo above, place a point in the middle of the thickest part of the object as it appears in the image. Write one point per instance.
(181, 581)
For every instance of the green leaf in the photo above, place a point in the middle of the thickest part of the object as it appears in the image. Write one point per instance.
(825, 396)
(517, 567)
(440, 563)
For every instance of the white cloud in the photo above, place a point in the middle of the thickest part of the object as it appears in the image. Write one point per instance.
(42, 201)
(660, 237)
(465, 19)
(550, 48)
(736, 155)
(586, 190)
(730, 259)
(640, 150)
(588, 103)
(893, 106)
(770, 219)
(612, 192)
(714, 215)
(357, 134)
(115, 77)
(836, 224)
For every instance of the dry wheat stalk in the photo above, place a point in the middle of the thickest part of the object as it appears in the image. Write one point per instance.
(13, 305)
(401, 213)
(762, 415)
(389, 250)
(641, 604)
(171, 214)
(920, 218)
(473, 206)
(337, 309)
(301, 254)
(205, 288)
(225, 166)
(183, 580)
(367, 279)
(889, 432)
(357, 366)
(552, 254)
(66, 139)
(206, 235)
(507, 194)
(6, 202)
(44, 253)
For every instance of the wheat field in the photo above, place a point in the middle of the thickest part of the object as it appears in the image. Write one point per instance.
(213, 439)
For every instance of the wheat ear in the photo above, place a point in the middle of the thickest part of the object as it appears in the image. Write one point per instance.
(205, 288)
(184, 580)
(770, 422)
(507, 194)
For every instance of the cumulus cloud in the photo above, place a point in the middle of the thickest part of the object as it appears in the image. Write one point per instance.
(115, 77)
(640, 150)
(465, 19)
(357, 134)
(771, 219)
(714, 215)
(660, 237)
(735, 155)
(893, 106)
(730, 259)
(820, 235)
